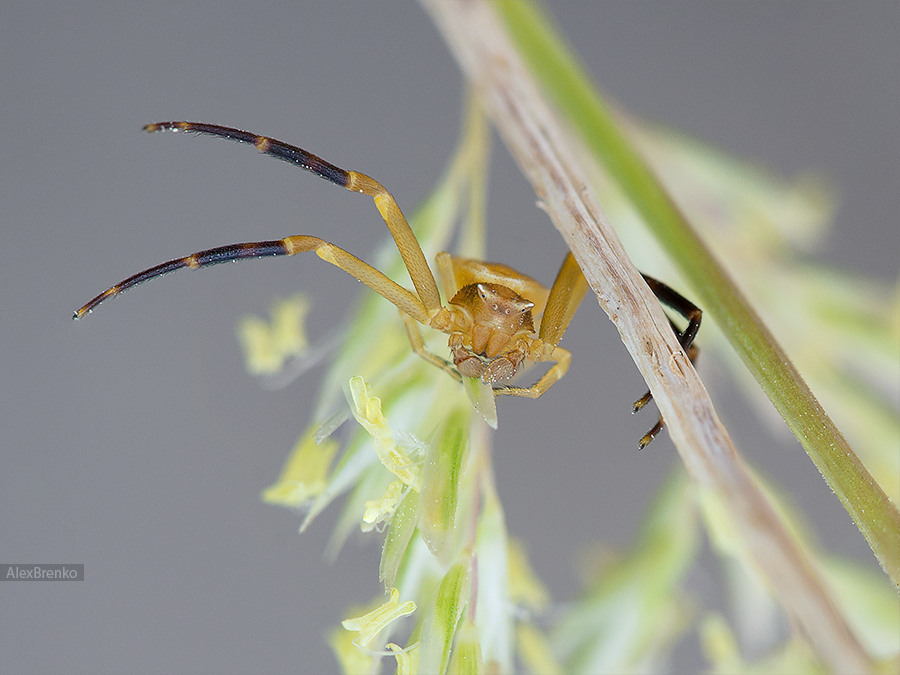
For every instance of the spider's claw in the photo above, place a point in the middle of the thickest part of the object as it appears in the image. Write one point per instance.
(641, 402)
(650, 435)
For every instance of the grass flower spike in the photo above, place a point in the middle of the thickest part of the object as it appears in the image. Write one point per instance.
(369, 625)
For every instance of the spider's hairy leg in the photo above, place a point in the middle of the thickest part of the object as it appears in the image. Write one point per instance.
(418, 346)
(213, 256)
(680, 304)
(269, 146)
(410, 250)
(561, 358)
(694, 315)
(566, 294)
(406, 241)
(381, 284)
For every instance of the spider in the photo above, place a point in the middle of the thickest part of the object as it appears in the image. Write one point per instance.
(491, 310)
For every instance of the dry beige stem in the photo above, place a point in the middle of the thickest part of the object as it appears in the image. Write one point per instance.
(534, 136)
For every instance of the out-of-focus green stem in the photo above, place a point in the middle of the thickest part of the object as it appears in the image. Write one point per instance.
(577, 97)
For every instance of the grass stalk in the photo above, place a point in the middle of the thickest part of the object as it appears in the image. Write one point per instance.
(560, 75)
(491, 62)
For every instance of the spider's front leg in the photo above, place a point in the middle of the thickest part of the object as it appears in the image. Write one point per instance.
(424, 305)
(541, 351)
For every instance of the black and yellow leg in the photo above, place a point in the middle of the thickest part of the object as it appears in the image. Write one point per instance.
(378, 282)
(694, 315)
(409, 248)
(213, 256)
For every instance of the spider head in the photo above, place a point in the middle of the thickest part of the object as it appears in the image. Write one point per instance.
(496, 307)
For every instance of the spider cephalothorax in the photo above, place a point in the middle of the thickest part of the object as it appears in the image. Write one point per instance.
(491, 311)
(494, 338)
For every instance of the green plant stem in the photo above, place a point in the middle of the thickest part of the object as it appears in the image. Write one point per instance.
(560, 75)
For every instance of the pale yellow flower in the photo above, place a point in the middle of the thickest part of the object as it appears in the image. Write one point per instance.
(381, 510)
(370, 625)
(305, 473)
(407, 659)
(268, 346)
(367, 410)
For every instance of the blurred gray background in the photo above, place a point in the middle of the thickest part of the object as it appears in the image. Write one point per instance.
(133, 442)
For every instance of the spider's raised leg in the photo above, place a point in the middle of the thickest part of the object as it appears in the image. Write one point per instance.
(409, 248)
(693, 314)
(565, 295)
(422, 308)
(378, 282)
